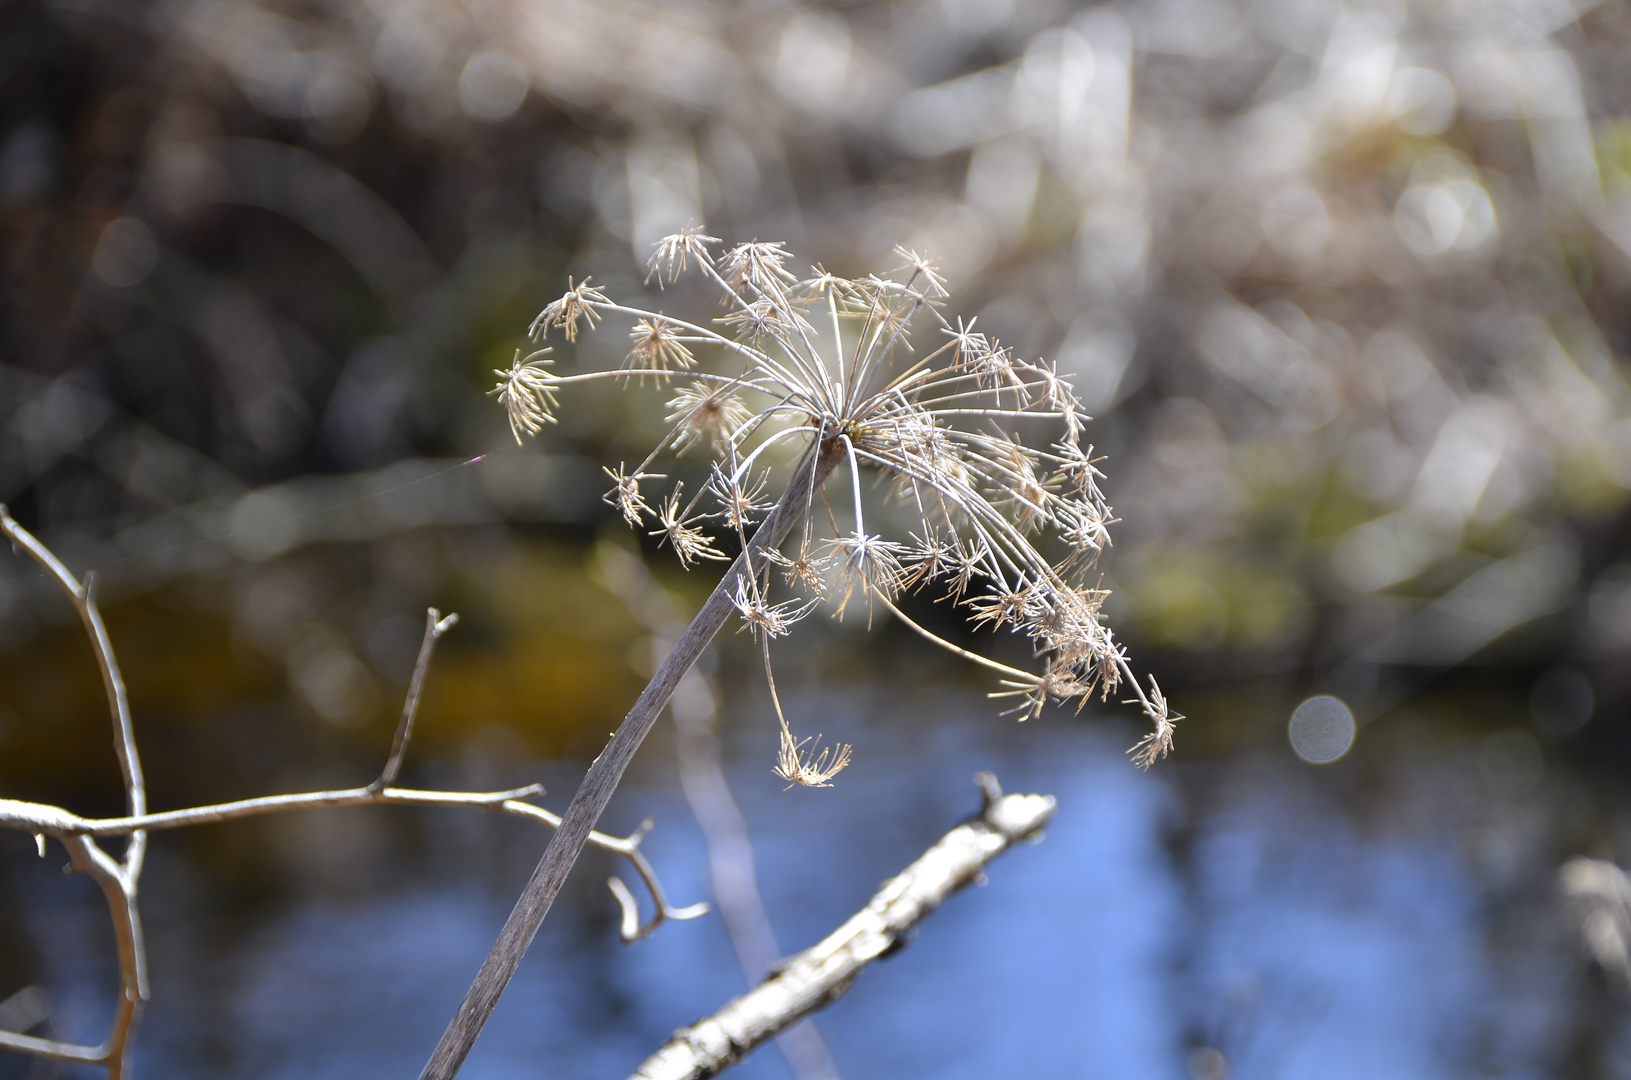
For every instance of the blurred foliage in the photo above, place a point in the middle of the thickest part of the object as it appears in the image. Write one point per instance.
(1345, 283)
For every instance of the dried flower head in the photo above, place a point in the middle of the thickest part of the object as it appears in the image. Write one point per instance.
(526, 393)
(578, 303)
(980, 449)
(625, 494)
(705, 413)
(760, 268)
(809, 768)
(680, 532)
(762, 618)
(1154, 746)
(923, 272)
(868, 563)
(806, 571)
(673, 252)
(739, 503)
(656, 347)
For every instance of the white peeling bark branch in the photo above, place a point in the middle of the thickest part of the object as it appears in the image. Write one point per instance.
(818, 975)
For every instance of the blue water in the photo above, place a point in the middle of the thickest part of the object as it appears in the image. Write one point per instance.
(1251, 906)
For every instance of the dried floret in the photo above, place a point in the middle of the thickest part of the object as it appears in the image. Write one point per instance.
(672, 252)
(679, 532)
(705, 413)
(526, 393)
(1155, 746)
(739, 503)
(809, 768)
(578, 303)
(625, 494)
(656, 347)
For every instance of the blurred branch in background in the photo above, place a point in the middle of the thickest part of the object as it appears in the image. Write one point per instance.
(1345, 279)
(119, 880)
(1597, 897)
(702, 778)
(809, 980)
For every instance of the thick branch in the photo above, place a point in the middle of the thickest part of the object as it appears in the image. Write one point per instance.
(820, 974)
(607, 770)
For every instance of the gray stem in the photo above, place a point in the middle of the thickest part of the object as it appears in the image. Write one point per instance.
(607, 770)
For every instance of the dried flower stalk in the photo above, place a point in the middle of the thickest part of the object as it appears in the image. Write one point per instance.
(936, 426)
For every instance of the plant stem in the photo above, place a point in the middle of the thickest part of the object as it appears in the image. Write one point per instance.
(607, 770)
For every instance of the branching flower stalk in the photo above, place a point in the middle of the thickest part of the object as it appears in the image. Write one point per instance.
(822, 372)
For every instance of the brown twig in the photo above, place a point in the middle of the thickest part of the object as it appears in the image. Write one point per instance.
(118, 880)
(822, 973)
(435, 627)
(607, 770)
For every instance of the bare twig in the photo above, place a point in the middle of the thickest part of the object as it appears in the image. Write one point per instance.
(822, 973)
(53, 821)
(435, 627)
(607, 770)
(118, 880)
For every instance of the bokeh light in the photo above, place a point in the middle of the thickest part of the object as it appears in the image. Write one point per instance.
(1321, 729)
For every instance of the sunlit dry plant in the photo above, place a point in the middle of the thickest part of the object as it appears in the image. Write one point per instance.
(981, 448)
(809, 768)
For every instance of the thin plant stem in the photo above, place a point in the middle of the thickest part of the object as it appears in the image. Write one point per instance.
(695, 710)
(607, 770)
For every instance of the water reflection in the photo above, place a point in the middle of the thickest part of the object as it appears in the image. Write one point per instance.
(1252, 917)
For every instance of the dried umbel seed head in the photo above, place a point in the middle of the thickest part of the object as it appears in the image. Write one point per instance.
(980, 448)
(657, 349)
(810, 768)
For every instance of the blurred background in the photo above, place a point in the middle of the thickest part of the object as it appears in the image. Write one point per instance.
(1345, 284)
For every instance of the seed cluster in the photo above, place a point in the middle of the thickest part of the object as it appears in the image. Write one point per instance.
(829, 360)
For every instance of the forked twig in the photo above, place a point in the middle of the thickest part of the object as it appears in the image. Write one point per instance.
(820, 974)
(118, 880)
